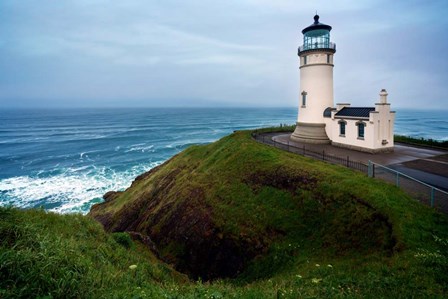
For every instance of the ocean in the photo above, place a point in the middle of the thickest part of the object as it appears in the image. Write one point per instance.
(65, 160)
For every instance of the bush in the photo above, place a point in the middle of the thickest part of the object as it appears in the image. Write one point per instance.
(123, 239)
(421, 141)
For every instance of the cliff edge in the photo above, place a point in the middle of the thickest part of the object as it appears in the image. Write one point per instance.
(239, 208)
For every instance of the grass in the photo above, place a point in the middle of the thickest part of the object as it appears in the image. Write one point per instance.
(280, 128)
(70, 256)
(327, 232)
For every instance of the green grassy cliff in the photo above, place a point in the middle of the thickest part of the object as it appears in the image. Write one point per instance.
(254, 220)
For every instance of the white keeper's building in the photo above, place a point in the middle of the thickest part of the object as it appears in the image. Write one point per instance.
(369, 129)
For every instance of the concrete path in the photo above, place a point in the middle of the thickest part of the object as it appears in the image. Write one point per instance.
(435, 180)
(403, 153)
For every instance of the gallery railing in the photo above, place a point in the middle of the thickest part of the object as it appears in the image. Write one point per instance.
(317, 46)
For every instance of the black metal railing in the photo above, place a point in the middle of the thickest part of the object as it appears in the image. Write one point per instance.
(318, 46)
(421, 191)
(304, 151)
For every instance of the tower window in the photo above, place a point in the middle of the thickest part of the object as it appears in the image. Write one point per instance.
(316, 39)
(304, 59)
(361, 127)
(342, 125)
(328, 58)
(304, 93)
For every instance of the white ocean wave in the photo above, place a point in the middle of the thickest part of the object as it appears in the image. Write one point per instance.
(140, 148)
(68, 192)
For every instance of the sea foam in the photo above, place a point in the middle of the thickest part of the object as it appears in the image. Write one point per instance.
(70, 191)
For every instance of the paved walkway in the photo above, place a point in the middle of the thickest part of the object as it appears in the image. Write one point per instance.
(402, 153)
(396, 160)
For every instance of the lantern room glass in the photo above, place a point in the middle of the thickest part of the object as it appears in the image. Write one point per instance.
(316, 39)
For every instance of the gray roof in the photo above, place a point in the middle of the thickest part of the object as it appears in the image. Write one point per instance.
(361, 112)
(327, 112)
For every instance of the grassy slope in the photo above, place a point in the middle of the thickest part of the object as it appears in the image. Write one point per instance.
(70, 256)
(331, 232)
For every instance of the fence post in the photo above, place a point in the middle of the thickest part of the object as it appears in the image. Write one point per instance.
(371, 169)
(347, 161)
(304, 149)
(323, 155)
(288, 146)
(432, 196)
(398, 179)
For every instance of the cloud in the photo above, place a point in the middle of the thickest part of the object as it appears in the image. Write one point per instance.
(236, 52)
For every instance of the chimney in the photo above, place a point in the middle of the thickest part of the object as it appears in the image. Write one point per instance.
(383, 96)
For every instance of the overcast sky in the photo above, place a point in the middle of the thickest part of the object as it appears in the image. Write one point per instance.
(135, 53)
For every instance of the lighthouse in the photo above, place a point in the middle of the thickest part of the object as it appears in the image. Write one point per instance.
(367, 129)
(316, 83)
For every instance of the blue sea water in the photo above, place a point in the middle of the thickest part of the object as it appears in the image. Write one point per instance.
(65, 160)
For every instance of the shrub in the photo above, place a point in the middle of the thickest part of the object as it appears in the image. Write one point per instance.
(123, 239)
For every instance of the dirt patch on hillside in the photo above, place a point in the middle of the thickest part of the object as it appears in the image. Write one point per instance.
(188, 238)
(359, 226)
(281, 178)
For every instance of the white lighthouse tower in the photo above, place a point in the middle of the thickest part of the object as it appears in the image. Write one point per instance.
(316, 83)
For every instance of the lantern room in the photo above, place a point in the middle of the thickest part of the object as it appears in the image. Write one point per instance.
(317, 36)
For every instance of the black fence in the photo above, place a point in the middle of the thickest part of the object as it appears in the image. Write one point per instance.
(266, 138)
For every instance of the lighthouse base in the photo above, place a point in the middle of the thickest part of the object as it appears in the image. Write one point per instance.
(310, 133)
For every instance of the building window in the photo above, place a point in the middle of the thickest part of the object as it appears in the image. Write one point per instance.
(361, 130)
(304, 59)
(304, 93)
(328, 58)
(342, 125)
(361, 127)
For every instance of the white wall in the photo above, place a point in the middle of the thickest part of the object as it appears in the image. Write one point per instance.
(351, 133)
(316, 79)
(384, 121)
(378, 130)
